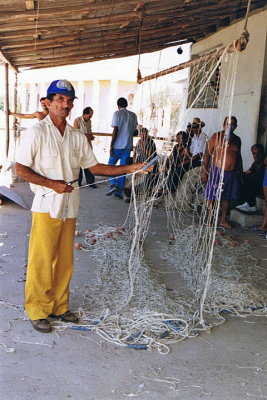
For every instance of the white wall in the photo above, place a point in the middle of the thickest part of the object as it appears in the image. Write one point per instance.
(248, 82)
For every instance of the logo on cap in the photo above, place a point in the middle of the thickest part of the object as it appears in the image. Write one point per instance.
(64, 84)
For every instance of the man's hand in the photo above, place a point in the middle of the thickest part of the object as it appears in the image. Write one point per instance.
(90, 136)
(204, 176)
(111, 152)
(61, 187)
(138, 168)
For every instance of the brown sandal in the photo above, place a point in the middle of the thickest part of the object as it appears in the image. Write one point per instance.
(41, 325)
(68, 316)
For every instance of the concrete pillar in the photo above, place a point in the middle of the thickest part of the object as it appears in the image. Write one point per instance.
(95, 103)
(42, 89)
(7, 107)
(23, 99)
(79, 103)
(112, 103)
(33, 98)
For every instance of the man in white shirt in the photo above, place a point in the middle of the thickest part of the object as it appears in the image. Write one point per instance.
(197, 149)
(124, 123)
(84, 124)
(50, 158)
(198, 142)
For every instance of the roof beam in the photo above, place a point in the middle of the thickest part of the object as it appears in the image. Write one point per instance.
(29, 5)
(6, 60)
(90, 30)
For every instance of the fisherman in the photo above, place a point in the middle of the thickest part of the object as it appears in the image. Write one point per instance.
(50, 157)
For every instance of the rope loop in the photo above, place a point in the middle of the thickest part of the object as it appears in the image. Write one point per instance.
(241, 43)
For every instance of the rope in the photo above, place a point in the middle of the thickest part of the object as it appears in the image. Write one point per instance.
(36, 24)
(247, 13)
(139, 44)
(240, 45)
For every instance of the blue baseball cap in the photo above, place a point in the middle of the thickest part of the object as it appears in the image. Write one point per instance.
(62, 86)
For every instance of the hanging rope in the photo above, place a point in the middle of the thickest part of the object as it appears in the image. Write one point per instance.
(248, 10)
(36, 36)
(241, 43)
(238, 45)
(139, 44)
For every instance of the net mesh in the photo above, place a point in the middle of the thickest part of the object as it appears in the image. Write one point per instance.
(129, 304)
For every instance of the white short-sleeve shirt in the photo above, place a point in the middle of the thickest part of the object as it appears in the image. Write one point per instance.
(47, 152)
(84, 126)
(198, 144)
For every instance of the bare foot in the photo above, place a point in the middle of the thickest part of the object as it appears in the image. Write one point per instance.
(261, 228)
(226, 224)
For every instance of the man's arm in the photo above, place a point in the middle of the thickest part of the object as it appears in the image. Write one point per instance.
(114, 136)
(206, 159)
(22, 116)
(37, 114)
(76, 124)
(115, 170)
(59, 186)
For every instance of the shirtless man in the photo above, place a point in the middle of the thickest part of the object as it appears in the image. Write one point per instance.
(37, 114)
(232, 169)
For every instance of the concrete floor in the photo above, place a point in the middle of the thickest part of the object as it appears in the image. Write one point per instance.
(228, 363)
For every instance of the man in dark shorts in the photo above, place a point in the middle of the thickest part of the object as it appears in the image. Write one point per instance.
(224, 150)
(230, 184)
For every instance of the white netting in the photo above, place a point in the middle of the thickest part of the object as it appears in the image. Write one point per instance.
(128, 303)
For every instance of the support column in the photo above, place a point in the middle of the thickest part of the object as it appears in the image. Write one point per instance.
(95, 103)
(15, 103)
(33, 98)
(79, 103)
(14, 127)
(112, 101)
(7, 108)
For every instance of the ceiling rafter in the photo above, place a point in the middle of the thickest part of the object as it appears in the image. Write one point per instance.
(43, 33)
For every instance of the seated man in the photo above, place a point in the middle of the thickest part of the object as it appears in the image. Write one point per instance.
(263, 225)
(179, 156)
(252, 181)
(194, 142)
(145, 148)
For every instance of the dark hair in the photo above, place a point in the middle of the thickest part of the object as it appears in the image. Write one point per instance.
(259, 147)
(122, 102)
(42, 98)
(144, 130)
(185, 138)
(233, 118)
(50, 96)
(87, 110)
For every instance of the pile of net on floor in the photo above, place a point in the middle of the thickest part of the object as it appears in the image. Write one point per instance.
(130, 305)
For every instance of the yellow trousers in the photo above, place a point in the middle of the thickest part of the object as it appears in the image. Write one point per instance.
(50, 266)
